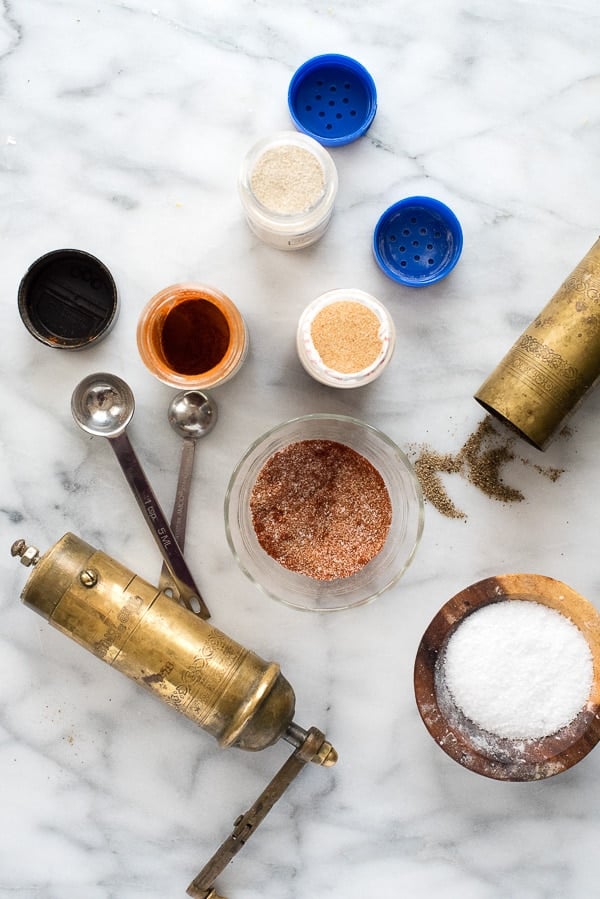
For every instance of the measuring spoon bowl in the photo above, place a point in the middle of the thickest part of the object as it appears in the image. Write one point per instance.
(192, 414)
(103, 405)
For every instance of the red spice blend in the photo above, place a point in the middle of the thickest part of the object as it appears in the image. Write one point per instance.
(320, 508)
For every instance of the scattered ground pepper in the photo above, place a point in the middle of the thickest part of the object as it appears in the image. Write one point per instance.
(480, 460)
(320, 508)
(428, 467)
(552, 474)
(485, 453)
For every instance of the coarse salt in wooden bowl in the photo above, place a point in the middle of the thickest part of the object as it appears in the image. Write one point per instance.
(526, 752)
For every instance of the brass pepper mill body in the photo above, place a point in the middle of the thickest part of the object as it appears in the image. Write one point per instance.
(229, 691)
(204, 674)
(544, 376)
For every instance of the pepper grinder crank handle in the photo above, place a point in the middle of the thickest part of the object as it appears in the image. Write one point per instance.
(311, 747)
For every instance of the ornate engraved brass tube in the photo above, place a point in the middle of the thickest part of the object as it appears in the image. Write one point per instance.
(189, 664)
(545, 375)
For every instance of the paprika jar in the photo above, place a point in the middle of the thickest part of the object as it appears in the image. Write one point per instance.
(191, 335)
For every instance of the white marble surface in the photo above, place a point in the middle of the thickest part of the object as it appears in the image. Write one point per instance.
(122, 127)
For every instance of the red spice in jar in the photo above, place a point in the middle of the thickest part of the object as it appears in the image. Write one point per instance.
(195, 337)
(320, 508)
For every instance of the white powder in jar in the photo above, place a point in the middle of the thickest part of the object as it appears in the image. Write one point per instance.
(518, 669)
(287, 180)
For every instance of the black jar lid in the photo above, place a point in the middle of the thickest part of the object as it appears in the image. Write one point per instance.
(68, 299)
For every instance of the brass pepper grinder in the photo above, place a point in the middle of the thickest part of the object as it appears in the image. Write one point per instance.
(229, 691)
(544, 377)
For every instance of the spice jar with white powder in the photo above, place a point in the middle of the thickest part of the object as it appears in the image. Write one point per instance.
(345, 338)
(287, 185)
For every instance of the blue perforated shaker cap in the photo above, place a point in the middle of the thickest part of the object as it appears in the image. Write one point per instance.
(333, 99)
(417, 241)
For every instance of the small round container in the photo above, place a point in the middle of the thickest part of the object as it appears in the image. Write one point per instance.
(287, 185)
(345, 338)
(192, 336)
(333, 99)
(68, 299)
(417, 241)
(475, 748)
(384, 569)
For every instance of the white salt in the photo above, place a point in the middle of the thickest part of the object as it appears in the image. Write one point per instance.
(288, 180)
(518, 669)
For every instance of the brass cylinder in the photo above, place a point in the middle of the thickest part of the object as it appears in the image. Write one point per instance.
(128, 623)
(544, 376)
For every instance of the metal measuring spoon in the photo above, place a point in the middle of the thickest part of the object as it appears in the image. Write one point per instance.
(103, 405)
(192, 414)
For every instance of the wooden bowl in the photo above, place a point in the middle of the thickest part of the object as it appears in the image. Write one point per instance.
(498, 757)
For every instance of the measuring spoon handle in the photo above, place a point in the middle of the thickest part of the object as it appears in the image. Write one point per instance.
(180, 506)
(184, 480)
(158, 524)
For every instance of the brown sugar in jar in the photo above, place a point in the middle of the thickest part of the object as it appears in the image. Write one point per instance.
(320, 508)
(345, 338)
(191, 335)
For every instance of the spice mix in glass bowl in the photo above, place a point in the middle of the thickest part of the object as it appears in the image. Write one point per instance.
(324, 512)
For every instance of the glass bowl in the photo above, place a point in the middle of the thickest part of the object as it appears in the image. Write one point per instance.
(302, 591)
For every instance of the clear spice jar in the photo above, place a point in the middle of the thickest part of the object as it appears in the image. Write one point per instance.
(192, 336)
(345, 338)
(287, 185)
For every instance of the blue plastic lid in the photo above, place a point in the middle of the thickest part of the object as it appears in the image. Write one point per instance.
(417, 241)
(333, 99)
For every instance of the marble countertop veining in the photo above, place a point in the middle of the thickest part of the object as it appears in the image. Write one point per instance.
(122, 128)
